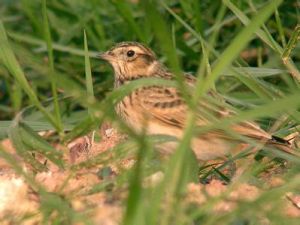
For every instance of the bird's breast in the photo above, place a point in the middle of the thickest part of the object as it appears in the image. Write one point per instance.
(130, 112)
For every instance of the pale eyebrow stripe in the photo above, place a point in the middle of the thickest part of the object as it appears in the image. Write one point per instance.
(126, 44)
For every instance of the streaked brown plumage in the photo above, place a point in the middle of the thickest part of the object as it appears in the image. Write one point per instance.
(162, 110)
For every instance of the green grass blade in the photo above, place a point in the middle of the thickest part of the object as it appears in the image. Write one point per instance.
(125, 11)
(88, 74)
(239, 42)
(271, 108)
(10, 159)
(254, 71)
(82, 128)
(134, 204)
(266, 37)
(187, 26)
(163, 35)
(245, 20)
(28, 8)
(16, 96)
(9, 60)
(291, 44)
(35, 142)
(280, 28)
(250, 82)
(34, 125)
(176, 176)
(213, 38)
(43, 47)
(52, 74)
(22, 149)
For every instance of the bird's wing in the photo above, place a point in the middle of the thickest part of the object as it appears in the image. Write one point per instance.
(164, 105)
(213, 110)
(214, 107)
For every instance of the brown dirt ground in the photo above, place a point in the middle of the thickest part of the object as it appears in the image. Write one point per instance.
(103, 207)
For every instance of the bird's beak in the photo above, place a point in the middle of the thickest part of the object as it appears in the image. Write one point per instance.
(106, 56)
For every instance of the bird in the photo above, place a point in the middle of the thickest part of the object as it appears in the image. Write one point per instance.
(162, 110)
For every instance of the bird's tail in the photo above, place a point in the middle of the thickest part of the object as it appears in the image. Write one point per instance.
(283, 145)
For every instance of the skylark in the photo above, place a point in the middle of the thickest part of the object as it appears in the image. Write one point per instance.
(163, 110)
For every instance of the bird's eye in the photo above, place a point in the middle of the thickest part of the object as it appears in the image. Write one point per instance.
(130, 53)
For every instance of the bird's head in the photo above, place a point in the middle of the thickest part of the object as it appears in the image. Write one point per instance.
(130, 60)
